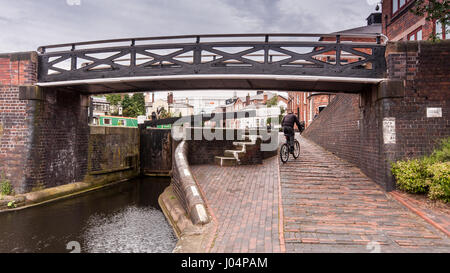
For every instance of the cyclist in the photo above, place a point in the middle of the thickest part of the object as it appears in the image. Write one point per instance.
(288, 128)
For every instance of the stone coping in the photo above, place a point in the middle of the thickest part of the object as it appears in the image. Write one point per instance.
(186, 188)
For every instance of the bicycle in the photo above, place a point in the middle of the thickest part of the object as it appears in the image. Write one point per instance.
(285, 151)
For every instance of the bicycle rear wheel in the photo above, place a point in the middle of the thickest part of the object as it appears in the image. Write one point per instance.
(296, 149)
(284, 153)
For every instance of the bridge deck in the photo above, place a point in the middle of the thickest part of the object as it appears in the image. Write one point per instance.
(218, 82)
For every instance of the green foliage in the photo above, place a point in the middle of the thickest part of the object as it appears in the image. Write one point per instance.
(133, 106)
(165, 114)
(5, 186)
(272, 102)
(435, 10)
(12, 204)
(114, 99)
(280, 117)
(429, 175)
(439, 181)
(442, 154)
(411, 176)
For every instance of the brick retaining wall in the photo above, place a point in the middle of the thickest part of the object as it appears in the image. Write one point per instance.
(352, 125)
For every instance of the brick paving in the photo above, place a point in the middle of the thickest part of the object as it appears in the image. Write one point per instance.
(330, 206)
(438, 212)
(244, 200)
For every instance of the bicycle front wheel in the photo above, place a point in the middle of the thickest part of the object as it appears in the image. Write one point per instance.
(296, 149)
(284, 153)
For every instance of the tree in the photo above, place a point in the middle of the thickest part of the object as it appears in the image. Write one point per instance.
(163, 114)
(139, 104)
(133, 106)
(114, 101)
(435, 10)
(282, 111)
(272, 102)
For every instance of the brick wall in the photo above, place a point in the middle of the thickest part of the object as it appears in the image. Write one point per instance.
(352, 125)
(397, 26)
(60, 136)
(424, 67)
(16, 115)
(113, 154)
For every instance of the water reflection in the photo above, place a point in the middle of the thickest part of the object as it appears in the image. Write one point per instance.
(122, 218)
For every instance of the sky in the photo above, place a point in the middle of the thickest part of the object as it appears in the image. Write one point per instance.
(27, 24)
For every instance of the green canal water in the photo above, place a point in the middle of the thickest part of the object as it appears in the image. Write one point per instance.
(121, 218)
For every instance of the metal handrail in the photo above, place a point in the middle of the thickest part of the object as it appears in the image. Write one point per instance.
(380, 38)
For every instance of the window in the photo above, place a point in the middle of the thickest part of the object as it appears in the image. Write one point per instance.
(416, 35)
(397, 5)
(107, 121)
(441, 31)
(394, 6)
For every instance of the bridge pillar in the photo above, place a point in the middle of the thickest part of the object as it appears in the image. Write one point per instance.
(416, 100)
(43, 132)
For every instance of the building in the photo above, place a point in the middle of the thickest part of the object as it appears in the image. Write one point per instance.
(100, 106)
(400, 24)
(257, 103)
(206, 104)
(308, 105)
(175, 108)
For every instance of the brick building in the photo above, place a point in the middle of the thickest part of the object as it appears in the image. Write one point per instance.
(308, 105)
(400, 24)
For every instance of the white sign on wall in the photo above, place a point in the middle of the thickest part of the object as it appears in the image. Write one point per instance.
(389, 135)
(434, 112)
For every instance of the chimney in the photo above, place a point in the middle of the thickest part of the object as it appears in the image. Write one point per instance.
(170, 98)
(374, 18)
(265, 98)
(247, 99)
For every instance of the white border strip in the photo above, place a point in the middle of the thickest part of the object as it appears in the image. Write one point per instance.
(213, 77)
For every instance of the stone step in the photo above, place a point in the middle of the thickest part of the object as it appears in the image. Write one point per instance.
(240, 144)
(225, 161)
(235, 153)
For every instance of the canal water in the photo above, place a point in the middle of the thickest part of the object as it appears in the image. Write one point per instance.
(124, 217)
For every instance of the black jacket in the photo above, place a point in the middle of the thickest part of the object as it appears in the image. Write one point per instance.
(289, 121)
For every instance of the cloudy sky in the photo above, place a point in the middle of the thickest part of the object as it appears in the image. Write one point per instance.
(27, 24)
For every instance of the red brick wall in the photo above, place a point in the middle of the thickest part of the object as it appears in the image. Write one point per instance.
(43, 134)
(425, 68)
(352, 125)
(397, 26)
(60, 135)
(16, 115)
(302, 109)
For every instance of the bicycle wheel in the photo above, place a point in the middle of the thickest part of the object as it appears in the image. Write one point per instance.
(284, 153)
(296, 149)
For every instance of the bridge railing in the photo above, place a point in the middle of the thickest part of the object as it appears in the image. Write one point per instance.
(342, 55)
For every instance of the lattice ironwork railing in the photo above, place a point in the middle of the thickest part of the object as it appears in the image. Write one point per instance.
(277, 54)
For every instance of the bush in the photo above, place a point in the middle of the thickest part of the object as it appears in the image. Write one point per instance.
(429, 175)
(442, 154)
(439, 181)
(5, 186)
(411, 176)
